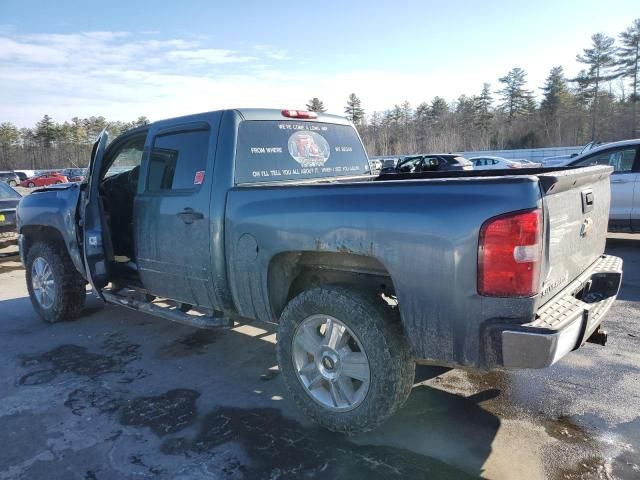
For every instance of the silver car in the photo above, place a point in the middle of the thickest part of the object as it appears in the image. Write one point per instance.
(625, 182)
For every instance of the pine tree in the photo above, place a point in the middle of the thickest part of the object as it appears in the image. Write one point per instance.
(466, 110)
(406, 113)
(354, 109)
(94, 125)
(46, 131)
(600, 58)
(438, 108)
(9, 137)
(555, 92)
(555, 104)
(78, 131)
(8, 134)
(629, 65)
(316, 105)
(516, 100)
(395, 114)
(483, 113)
(422, 112)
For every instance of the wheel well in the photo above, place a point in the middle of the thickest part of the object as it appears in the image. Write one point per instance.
(291, 273)
(38, 233)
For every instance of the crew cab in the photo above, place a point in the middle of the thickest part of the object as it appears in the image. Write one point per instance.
(268, 215)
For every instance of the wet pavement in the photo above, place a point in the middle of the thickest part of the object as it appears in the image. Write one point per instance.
(119, 394)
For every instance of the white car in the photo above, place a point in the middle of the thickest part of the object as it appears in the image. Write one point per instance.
(624, 213)
(492, 163)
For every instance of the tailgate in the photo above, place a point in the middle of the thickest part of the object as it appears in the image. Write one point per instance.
(576, 212)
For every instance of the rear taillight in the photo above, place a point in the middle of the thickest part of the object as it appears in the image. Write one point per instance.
(299, 114)
(509, 255)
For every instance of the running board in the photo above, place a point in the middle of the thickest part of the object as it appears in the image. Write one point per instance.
(175, 315)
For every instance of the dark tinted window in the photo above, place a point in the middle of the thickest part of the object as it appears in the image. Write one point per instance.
(270, 151)
(178, 161)
(620, 159)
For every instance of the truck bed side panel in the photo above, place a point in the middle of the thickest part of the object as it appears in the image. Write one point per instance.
(425, 233)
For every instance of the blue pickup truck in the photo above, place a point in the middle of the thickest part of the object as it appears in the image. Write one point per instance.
(270, 215)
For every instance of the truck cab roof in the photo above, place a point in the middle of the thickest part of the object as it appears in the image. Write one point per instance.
(264, 114)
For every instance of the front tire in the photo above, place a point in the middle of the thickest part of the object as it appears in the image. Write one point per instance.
(56, 289)
(12, 183)
(344, 358)
(31, 184)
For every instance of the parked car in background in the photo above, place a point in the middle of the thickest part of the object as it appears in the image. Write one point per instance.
(75, 174)
(9, 200)
(389, 162)
(24, 174)
(491, 163)
(44, 179)
(10, 178)
(625, 181)
(21, 175)
(527, 163)
(382, 161)
(433, 162)
(561, 160)
(375, 165)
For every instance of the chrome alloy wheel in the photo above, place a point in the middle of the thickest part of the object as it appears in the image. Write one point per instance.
(330, 363)
(43, 282)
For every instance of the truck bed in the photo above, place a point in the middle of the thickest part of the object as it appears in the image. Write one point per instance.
(421, 231)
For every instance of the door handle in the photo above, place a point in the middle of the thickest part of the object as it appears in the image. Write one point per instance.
(188, 215)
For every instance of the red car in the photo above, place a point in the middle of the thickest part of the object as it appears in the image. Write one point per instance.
(44, 180)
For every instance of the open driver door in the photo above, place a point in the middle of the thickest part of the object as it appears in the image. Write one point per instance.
(96, 238)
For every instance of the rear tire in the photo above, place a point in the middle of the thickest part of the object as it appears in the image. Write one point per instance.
(56, 289)
(373, 336)
(12, 183)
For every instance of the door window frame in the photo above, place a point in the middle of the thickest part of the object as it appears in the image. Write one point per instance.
(146, 159)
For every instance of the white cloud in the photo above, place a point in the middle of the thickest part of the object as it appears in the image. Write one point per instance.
(272, 52)
(202, 56)
(122, 75)
(11, 50)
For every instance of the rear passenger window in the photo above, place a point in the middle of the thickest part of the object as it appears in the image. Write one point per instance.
(178, 161)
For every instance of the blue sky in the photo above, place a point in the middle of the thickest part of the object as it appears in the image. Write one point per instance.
(124, 59)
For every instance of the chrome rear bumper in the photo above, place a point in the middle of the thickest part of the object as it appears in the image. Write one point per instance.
(566, 322)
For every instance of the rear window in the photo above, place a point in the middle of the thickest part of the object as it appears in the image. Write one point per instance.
(271, 151)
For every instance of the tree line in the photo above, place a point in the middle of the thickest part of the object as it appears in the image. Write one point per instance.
(600, 103)
(51, 145)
